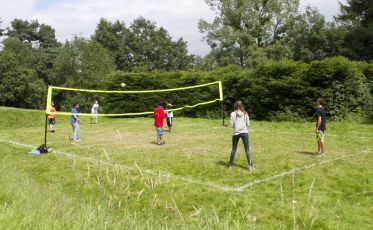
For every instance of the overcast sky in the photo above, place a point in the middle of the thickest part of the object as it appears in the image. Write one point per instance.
(80, 17)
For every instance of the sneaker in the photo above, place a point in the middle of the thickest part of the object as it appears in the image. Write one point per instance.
(229, 167)
(252, 168)
(321, 155)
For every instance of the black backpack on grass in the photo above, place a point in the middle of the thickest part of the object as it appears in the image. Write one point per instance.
(43, 149)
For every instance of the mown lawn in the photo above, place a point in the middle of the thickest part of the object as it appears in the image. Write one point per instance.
(117, 178)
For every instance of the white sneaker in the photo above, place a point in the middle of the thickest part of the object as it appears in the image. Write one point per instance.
(321, 155)
(252, 168)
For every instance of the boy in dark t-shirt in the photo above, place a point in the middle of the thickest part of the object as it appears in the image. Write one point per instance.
(320, 126)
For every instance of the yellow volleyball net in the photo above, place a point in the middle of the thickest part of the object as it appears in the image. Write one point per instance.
(126, 102)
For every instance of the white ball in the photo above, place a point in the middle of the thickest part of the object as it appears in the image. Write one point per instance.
(123, 84)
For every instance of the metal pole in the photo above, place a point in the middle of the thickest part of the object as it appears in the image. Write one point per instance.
(45, 129)
(222, 112)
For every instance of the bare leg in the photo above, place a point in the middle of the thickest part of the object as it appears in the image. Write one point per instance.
(318, 147)
(322, 147)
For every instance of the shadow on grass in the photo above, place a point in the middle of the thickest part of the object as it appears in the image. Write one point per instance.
(225, 164)
(307, 153)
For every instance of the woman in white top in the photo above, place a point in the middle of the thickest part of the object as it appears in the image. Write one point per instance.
(94, 112)
(239, 121)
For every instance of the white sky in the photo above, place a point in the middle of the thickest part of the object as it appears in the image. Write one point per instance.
(80, 17)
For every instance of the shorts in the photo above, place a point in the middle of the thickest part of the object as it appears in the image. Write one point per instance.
(320, 136)
(94, 115)
(169, 121)
(159, 131)
(51, 121)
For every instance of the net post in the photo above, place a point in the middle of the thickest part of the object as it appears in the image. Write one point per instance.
(222, 112)
(47, 106)
(45, 129)
(221, 99)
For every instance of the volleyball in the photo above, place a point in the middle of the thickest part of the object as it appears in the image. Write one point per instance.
(123, 84)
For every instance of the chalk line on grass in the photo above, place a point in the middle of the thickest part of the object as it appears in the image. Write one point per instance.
(194, 181)
(305, 167)
(307, 133)
(147, 171)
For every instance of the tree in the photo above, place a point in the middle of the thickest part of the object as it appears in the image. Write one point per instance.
(242, 28)
(357, 17)
(19, 86)
(142, 45)
(153, 48)
(1, 30)
(39, 35)
(82, 63)
(308, 36)
(41, 43)
(113, 36)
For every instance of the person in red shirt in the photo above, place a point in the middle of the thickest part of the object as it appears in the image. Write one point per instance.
(159, 115)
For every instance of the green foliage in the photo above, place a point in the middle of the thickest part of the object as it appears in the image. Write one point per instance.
(286, 115)
(39, 35)
(308, 36)
(19, 86)
(342, 83)
(276, 90)
(242, 28)
(357, 17)
(142, 45)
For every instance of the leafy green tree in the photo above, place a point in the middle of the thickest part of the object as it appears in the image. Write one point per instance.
(19, 86)
(153, 48)
(113, 36)
(39, 35)
(82, 63)
(242, 28)
(39, 41)
(308, 36)
(312, 38)
(357, 17)
(142, 45)
(23, 52)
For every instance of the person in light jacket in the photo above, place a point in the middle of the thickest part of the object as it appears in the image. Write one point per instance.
(239, 121)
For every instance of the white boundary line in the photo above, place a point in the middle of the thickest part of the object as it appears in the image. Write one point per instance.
(303, 168)
(308, 133)
(147, 171)
(193, 181)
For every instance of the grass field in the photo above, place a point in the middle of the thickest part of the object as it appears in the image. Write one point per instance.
(117, 178)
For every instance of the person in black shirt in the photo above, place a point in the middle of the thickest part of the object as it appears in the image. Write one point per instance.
(320, 126)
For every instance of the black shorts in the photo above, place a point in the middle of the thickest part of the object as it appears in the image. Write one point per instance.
(51, 121)
(169, 121)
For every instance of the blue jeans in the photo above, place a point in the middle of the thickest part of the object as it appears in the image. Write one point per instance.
(245, 140)
(75, 131)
